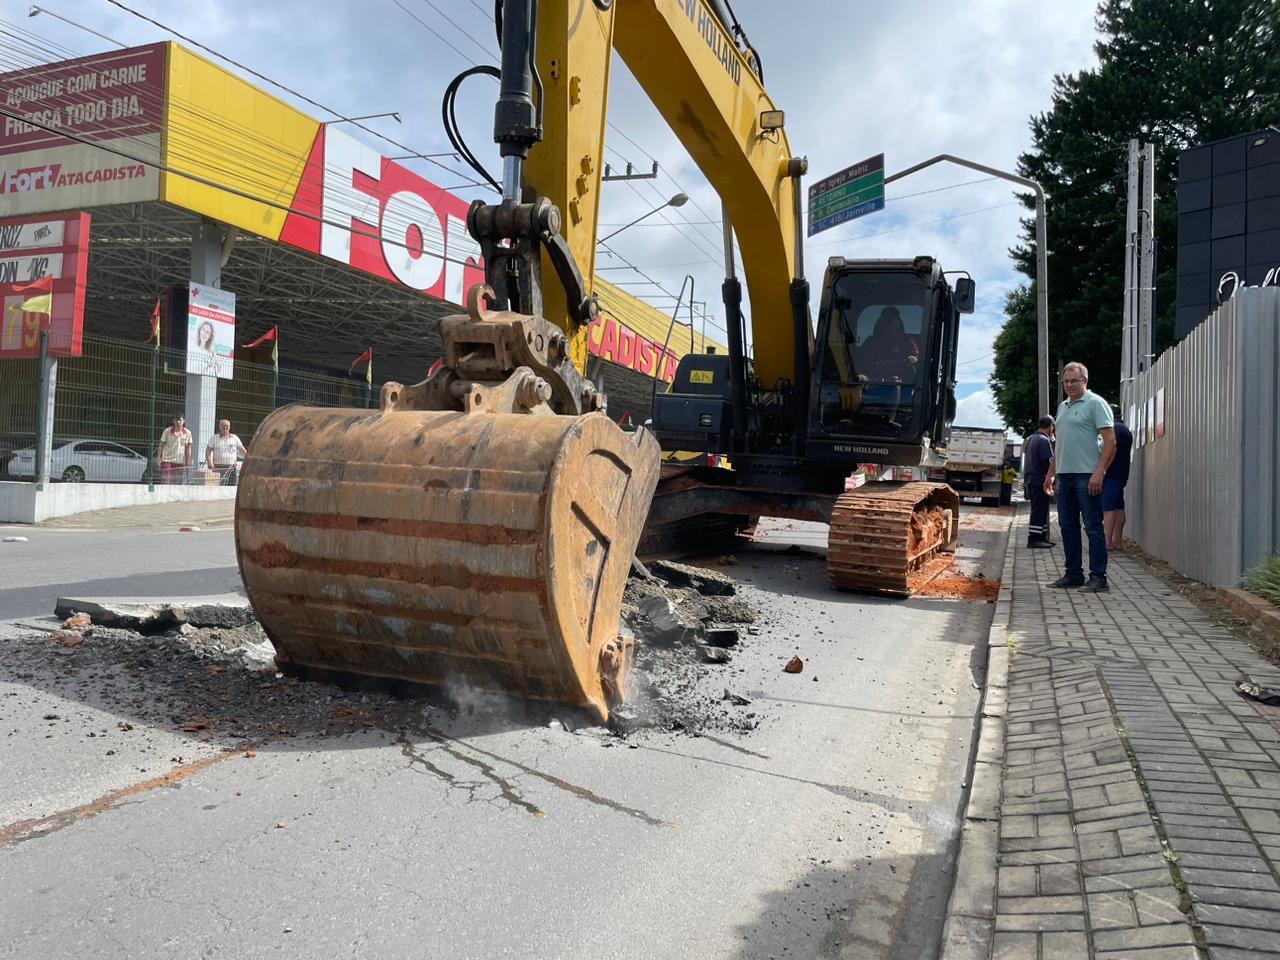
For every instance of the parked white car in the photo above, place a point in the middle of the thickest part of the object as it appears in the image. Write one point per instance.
(98, 461)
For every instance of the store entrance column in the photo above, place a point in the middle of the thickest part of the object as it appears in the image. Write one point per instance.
(209, 250)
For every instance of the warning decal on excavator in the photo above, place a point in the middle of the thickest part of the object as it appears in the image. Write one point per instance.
(702, 376)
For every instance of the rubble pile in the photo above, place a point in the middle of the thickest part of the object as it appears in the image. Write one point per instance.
(210, 667)
(686, 621)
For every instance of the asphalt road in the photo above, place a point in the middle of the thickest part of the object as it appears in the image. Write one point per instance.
(828, 831)
(112, 562)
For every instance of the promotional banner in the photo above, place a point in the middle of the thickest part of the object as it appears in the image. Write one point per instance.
(211, 331)
(32, 248)
(84, 132)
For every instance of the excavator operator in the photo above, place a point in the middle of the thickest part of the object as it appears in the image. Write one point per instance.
(890, 353)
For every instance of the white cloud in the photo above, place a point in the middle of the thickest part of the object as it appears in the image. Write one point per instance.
(978, 410)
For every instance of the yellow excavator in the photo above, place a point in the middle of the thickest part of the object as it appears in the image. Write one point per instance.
(478, 527)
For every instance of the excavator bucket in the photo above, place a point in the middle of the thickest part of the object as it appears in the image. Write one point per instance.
(445, 546)
(890, 538)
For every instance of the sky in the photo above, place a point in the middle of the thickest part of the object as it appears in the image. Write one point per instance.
(911, 80)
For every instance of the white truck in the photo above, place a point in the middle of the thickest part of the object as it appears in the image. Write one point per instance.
(975, 463)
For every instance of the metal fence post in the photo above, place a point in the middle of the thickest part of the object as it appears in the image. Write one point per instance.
(151, 424)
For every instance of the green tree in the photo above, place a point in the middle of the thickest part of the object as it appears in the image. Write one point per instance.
(1174, 73)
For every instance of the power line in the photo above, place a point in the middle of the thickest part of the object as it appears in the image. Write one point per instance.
(275, 83)
(205, 181)
(432, 30)
(912, 226)
(485, 50)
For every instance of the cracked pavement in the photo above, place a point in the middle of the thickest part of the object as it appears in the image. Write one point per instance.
(304, 821)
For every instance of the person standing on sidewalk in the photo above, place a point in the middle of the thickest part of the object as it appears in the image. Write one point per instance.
(1035, 469)
(1086, 447)
(1113, 484)
(222, 452)
(174, 451)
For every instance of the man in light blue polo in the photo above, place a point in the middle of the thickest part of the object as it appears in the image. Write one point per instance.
(1086, 447)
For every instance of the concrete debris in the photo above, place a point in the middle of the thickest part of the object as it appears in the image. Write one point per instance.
(77, 621)
(716, 655)
(735, 699)
(722, 636)
(709, 583)
(147, 615)
(730, 610)
(794, 665)
(15, 539)
(661, 621)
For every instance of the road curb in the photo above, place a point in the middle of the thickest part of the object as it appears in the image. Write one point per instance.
(970, 923)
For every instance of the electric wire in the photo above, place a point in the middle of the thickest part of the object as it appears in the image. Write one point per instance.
(315, 103)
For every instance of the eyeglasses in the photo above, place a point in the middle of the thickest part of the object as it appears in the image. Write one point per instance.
(1070, 382)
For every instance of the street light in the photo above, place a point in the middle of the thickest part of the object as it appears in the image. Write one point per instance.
(35, 11)
(679, 200)
(371, 116)
(1042, 259)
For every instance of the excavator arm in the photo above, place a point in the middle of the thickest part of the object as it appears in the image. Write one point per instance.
(687, 62)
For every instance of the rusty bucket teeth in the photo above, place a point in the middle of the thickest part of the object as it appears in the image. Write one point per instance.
(446, 548)
(889, 538)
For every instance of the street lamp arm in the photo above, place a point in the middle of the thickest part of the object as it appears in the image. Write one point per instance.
(1042, 258)
(632, 223)
(970, 164)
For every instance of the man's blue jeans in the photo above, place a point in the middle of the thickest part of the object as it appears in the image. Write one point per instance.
(1075, 501)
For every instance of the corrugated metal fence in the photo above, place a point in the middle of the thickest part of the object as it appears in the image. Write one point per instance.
(1203, 492)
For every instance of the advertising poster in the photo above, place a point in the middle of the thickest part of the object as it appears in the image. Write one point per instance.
(211, 331)
(1151, 418)
(32, 248)
(1160, 412)
(84, 132)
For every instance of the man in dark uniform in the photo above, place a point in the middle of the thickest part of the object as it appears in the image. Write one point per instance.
(1113, 485)
(1035, 467)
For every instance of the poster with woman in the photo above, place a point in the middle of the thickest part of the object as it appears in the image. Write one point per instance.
(211, 331)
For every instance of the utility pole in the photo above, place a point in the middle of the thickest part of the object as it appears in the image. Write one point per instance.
(1147, 261)
(1137, 345)
(1129, 323)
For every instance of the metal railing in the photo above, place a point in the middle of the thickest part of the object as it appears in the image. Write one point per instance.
(1204, 493)
(112, 402)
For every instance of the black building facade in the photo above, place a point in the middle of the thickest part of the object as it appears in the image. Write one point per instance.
(1228, 219)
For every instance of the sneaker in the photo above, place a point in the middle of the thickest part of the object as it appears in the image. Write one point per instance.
(1039, 545)
(1065, 582)
(1095, 585)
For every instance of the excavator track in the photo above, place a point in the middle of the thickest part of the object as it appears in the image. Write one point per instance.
(890, 539)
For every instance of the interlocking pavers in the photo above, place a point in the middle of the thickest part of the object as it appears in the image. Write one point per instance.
(1140, 809)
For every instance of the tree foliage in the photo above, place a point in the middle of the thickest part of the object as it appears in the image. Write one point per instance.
(1174, 73)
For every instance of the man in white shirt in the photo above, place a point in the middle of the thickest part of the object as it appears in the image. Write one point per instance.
(222, 451)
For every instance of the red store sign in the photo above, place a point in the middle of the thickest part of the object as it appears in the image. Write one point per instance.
(355, 206)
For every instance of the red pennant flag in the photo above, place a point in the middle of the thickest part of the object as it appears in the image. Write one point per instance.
(435, 366)
(367, 355)
(155, 322)
(269, 336)
(43, 285)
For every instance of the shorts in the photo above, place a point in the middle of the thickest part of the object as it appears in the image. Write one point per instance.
(1112, 494)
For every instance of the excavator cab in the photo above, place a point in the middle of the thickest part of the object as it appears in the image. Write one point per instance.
(884, 373)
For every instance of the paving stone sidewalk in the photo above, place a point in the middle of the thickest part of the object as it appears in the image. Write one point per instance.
(198, 513)
(1138, 810)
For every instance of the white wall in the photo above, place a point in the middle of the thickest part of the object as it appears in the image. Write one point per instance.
(22, 503)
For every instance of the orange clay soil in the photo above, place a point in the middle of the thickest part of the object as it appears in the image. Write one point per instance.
(956, 585)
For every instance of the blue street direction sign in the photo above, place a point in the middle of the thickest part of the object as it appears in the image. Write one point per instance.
(853, 192)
